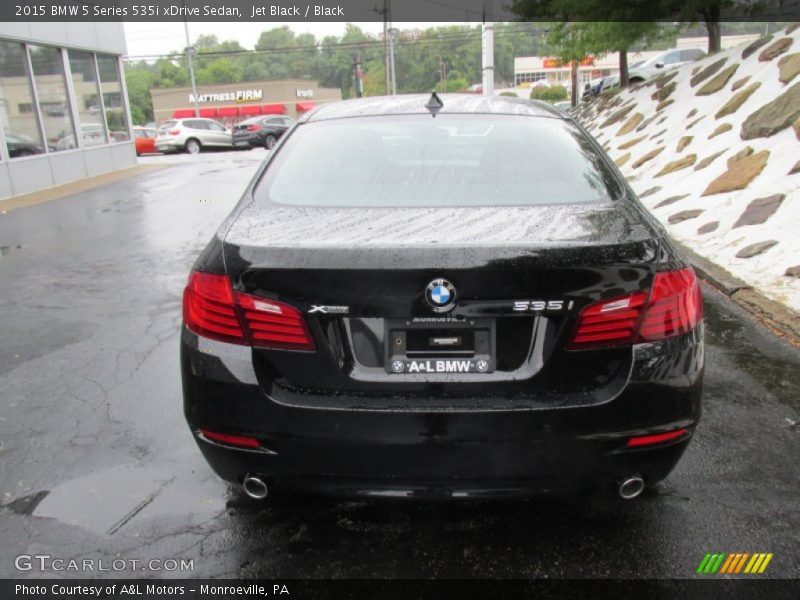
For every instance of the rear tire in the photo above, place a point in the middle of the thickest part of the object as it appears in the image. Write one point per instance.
(193, 146)
(270, 141)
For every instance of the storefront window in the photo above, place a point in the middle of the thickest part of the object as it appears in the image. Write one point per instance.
(87, 95)
(51, 89)
(23, 137)
(113, 99)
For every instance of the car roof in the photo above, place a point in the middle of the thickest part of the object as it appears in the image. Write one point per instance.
(413, 104)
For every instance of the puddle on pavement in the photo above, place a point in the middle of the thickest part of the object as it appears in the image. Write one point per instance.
(108, 501)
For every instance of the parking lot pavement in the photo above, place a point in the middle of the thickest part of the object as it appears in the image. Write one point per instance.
(96, 461)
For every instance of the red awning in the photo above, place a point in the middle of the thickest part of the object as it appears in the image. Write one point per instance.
(228, 111)
(209, 113)
(183, 113)
(253, 109)
(305, 106)
(273, 109)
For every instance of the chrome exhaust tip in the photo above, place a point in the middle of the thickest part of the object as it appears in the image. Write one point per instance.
(255, 487)
(631, 487)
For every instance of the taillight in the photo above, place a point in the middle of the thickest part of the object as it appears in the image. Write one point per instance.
(174, 131)
(212, 309)
(272, 324)
(674, 307)
(208, 308)
(254, 127)
(610, 322)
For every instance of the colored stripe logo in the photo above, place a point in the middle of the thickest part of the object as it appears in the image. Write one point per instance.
(734, 563)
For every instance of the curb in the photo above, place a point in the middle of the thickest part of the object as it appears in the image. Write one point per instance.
(779, 319)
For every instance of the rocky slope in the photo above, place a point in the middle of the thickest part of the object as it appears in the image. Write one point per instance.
(713, 150)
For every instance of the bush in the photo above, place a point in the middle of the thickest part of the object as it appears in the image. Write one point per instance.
(509, 94)
(549, 93)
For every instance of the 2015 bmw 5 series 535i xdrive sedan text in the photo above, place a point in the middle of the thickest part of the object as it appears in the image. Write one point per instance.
(450, 297)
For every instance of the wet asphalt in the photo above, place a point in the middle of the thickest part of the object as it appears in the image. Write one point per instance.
(96, 461)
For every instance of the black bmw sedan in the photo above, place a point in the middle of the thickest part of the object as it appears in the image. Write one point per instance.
(463, 300)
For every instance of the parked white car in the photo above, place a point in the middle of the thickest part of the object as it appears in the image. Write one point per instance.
(192, 135)
(666, 60)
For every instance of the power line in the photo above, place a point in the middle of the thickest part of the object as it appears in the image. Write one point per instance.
(441, 38)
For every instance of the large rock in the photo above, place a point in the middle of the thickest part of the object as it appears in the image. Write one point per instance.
(664, 104)
(683, 142)
(695, 122)
(665, 92)
(632, 142)
(707, 72)
(708, 160)
(718, 82)
(739, 83)
(662, 79)
(793, 271)
(616, 117)
(755, 249)
(796, 127)
(720, 129)
(658, 133)
(650, 192)
(649, 156)
(759, 210)
(631, 124)
(791, 28)
(692, 113)
(732, 105)
(684, 215)
(739, 175)
(789, 67)
(622, 159)
(775, 48)
(708, 227)
(795, 169)
(743, 153)
(671, 200)
(762, 41)
(773, 116)
(646, 122)
(676, 165)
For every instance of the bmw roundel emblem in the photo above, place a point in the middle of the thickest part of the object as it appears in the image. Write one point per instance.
(441, 295)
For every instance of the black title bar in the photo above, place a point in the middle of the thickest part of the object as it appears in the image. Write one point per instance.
(366, 10)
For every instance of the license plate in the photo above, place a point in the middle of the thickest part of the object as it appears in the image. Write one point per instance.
(241, 143)
(440, 365)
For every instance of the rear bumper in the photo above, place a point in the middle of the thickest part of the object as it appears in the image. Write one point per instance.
(248, 139)
(442, 454)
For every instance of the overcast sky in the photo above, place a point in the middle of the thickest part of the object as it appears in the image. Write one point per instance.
(161, 38)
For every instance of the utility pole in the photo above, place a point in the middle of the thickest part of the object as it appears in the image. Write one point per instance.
(442, 76)
(392, 37)
(487, 43)
(190, 52)
(387, 15)
(357, 74)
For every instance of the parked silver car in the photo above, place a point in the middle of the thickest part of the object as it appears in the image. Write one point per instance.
(666, 60)
(192, 135)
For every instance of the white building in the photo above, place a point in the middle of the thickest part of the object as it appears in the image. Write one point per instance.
(64, 111)
(533, 70)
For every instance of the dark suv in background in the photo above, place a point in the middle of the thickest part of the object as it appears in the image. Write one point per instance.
(261, 131)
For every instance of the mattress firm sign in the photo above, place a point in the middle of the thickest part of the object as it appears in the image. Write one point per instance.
(235, 96)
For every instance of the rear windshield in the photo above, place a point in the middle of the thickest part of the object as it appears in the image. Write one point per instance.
(450, 160)
(168, 124)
